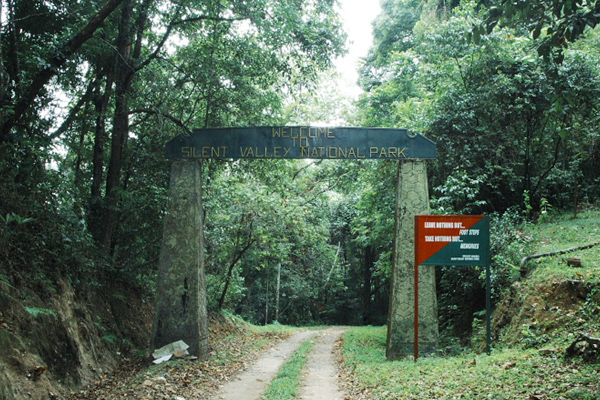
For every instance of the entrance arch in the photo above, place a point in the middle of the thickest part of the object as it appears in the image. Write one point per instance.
(181, 312)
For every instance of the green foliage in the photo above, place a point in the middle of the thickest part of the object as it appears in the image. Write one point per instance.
(326, 237)
(5, 281)
(17, 219)
(555, 23)
(8, 229)
(545, 209)
(36, 311)
(591, 308)
(508, 245)
(498, 113)
(263, 218)
(89, 177)
(362, 225)
(459, 195)
(111, 339)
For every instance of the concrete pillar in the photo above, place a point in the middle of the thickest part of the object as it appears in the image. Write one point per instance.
(181, 312)
(412, 198)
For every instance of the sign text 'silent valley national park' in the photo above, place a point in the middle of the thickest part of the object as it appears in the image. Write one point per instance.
(297, 142)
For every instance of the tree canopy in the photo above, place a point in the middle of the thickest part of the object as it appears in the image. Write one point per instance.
(90, 93)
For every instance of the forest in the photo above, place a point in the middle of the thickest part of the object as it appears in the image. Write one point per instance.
(90, 92)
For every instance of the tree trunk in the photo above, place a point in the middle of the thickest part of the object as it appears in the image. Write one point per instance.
(267, 302)
(368, 261)
(277, 292)
(13, 47)
(3, 77)
(232, 264)
(82, 103)
(124, 79)
(100, 100)
(78, 179)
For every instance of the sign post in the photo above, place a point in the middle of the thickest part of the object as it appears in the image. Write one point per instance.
(452, 240)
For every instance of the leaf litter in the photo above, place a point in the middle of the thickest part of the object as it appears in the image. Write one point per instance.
(183, 378)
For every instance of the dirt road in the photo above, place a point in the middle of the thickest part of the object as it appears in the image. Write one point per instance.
(319, 378)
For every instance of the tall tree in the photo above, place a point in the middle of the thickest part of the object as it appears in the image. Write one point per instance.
(128, 78)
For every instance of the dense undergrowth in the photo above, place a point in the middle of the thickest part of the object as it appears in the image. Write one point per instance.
(539, 316)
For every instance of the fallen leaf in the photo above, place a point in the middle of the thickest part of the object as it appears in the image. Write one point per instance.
(508, 365)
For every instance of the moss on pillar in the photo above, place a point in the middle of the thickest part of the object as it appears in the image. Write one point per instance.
(412, 198)
(181, 312)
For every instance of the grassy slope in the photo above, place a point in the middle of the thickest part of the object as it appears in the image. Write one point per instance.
(538, 319)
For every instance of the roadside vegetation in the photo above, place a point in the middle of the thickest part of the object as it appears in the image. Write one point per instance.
(537, 319)
(91, 91)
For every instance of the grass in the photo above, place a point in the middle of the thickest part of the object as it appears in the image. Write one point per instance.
(564, 232)
(286, 383)
(506, 374)
(548, 310)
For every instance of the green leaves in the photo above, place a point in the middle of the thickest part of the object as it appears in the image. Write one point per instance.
(17, 219)
(565, 22)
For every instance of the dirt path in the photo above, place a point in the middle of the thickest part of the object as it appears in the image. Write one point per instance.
(319, 379)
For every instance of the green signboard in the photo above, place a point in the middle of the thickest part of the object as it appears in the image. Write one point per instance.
(297, 142)
(452, 240)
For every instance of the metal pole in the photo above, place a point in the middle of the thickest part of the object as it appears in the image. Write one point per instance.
(488, 279)
(488, 306)
(416, 295)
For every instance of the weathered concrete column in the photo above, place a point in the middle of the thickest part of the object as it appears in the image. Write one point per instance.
(412, 198)
(181, 288)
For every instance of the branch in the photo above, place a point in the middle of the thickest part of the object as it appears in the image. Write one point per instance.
(171, 118)
(204, 17)
(74, 111)
(553, 253)
(329, 187)
(305, 167)
(551, 167)
(232, 264)
(53, 65)
(333, 265)
(583, 337)
(170, 27)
